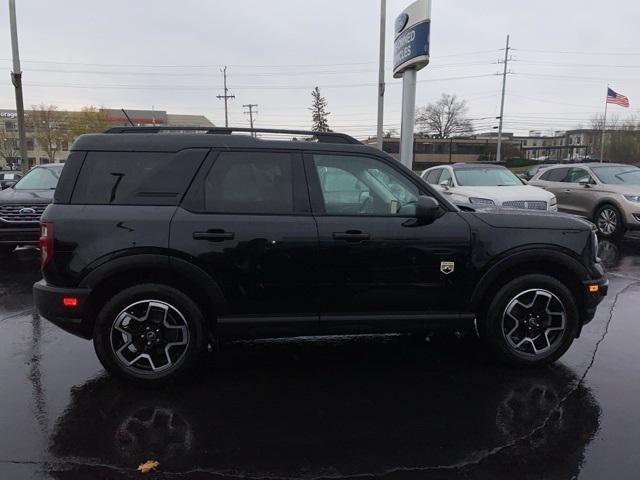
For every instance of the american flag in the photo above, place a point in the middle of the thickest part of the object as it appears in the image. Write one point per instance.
(617, 99)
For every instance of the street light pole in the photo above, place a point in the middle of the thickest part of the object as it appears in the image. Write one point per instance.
(381, 85)
(16, 79)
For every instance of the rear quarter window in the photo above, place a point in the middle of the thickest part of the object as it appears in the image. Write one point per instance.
(555, 175)
(136, 178)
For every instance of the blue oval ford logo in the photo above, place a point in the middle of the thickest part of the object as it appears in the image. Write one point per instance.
(27, 211)
(401, 22)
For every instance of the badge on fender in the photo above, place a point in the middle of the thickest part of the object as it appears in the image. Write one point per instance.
(447, 267)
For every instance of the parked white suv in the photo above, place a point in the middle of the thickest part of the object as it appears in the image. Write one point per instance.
(485, 185)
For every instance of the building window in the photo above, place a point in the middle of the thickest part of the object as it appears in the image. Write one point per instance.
(10, 126)
(30, 144)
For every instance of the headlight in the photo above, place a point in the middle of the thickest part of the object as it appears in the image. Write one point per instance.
(481, 201)
(632, 198)
(553, 204)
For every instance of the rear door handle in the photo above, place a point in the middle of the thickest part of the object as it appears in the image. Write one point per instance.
(351, 236)
(213, 235)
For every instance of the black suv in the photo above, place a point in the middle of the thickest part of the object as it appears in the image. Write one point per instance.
(160, 243)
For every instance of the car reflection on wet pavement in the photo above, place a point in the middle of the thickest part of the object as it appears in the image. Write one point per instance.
(392, 406)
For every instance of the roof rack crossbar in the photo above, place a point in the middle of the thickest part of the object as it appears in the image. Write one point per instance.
(323, 137)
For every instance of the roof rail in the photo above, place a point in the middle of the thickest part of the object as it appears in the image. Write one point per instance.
(323, 137)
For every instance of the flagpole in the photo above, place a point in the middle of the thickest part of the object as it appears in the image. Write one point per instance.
(604, 124)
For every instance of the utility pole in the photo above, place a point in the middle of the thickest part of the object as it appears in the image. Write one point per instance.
(16, 79)
(251, 106)
(381, 85)
(226, 97)
(504, 88)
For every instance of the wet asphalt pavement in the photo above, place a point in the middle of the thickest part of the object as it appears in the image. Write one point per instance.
(385, 406)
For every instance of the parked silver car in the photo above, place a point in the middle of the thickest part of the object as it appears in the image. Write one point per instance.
(605, 193)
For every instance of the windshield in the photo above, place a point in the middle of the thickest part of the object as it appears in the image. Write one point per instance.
(40, 178)
(619, 175)
(486, 177)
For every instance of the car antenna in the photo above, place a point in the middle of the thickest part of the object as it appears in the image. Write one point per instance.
(125, 114)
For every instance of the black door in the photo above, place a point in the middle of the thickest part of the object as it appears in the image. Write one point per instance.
(247, 221)
(374, 258)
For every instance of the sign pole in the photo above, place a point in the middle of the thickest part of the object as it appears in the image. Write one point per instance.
(381, 86)
(410, 54)
(409, 78)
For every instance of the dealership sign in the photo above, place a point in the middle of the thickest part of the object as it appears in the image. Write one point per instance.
(8, 115)
(412, 33)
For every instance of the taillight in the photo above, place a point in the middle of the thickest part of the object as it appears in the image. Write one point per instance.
(46, 242)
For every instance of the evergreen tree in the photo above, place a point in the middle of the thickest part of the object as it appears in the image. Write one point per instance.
(319, 115)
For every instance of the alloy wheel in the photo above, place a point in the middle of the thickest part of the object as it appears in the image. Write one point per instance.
(149, 337)
(607, 221)
(533, 322)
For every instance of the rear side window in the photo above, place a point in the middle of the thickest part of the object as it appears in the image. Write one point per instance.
(555, 175)
(136, 178)
(250, 182)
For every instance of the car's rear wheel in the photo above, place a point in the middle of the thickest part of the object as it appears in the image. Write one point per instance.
(609, 222)
(531, 321)
(149, 334)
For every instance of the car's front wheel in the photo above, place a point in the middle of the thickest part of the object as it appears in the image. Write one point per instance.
(149, 334)
(531, 321)
(609, 222)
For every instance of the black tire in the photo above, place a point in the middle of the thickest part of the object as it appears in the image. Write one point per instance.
(179, 343)
(545, 348)
(603, 218)
(6, 250)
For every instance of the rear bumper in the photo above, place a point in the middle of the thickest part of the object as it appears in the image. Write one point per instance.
(49, 302)
(20, 235)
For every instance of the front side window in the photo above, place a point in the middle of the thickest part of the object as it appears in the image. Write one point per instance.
(486, 177)
(251, 183)
(40, 178)
(446, 178)
(433, 176)
(577, 175)
(353, 185)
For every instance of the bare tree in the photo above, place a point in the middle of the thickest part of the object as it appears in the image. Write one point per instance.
(50, 129)
(89, 119)
(319, 114)
(445, 118)
(622, 138)
(9, 146)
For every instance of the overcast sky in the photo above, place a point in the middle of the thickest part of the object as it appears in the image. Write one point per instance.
(166, 54)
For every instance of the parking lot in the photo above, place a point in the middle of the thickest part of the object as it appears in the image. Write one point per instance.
(392, 406)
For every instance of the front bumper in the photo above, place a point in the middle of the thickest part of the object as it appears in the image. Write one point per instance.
(594, 298)
(19, 235)
(49, 301)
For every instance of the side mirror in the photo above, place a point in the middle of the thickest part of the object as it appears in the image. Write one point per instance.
(446, 185)
(585, 183)
(8, 184)
(427, 209)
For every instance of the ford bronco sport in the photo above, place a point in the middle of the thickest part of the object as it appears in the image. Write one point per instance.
(159, 243)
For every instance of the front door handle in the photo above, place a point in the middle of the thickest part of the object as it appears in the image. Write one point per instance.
(213, 235)
(351, 236)
(568, 190)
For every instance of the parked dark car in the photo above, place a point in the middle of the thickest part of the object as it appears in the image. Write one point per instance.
(159, 244)
(9, 178)
(533, 171)
(22, 204)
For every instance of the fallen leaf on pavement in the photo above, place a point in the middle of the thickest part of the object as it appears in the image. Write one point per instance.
(147, 466)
